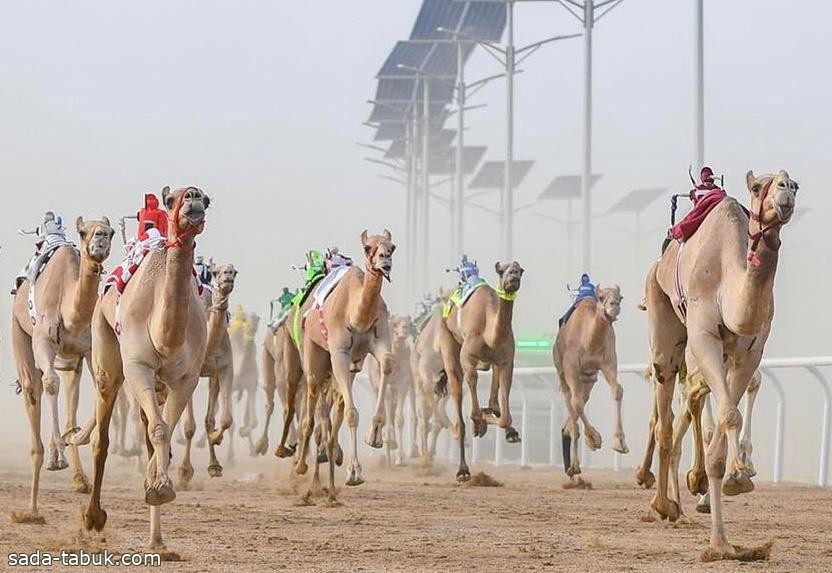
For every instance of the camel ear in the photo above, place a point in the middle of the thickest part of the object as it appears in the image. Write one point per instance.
(387, 235)
(364, 236)
(206, 200)
(500, 268)
(167, 197)
(79, 226)
(752, 183)
(106, 221)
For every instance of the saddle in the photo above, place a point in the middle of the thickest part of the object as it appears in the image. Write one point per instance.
(36, 267)
(461, 295)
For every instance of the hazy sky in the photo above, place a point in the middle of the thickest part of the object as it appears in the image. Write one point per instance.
(261, 104)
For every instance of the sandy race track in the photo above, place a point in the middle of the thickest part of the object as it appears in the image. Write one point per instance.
(251, 520)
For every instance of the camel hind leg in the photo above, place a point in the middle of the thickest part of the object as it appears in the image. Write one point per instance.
(644, 474)
(746, 447)
(45, 352)
(269, 387)
(186, 468)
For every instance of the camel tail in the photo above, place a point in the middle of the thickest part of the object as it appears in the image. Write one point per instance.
(441, 387)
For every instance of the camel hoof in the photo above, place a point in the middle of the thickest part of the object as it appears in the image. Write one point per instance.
(697, 482)
(245, 432)
(159, 495)
(331, 502)
(185, 474)
(593, 440)
(67, 437)
(94, 519)
(704, 504)
(669, 510)
(512, 437)
(373, 437)
(57, 465)
(215, 470)
(284, 452)
(491, 412)
(463, 475)
(322, 457)
(573, 470)
(354, 478)
(339, 455)
(645, 479)
(480, 428)
(734, 485)
(392, 444)
(261, 447)
(81, 484)
(301, 468)
(215, 438)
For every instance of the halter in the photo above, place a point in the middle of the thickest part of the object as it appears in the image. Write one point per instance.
(188, 233)
(506, 296)
(368, 264)
(754, 238)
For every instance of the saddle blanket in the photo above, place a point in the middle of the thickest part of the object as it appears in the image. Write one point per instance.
(36, 266)
(136, 253)
(461, 295)
(329, 282)
(687, 227)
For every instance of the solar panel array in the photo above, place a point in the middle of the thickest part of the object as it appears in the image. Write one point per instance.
(435, 54)
(492, 174)
(637, 200)
(566, 187)
(445, 163)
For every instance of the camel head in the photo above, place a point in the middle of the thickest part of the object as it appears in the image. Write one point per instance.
(609, 298)
(96, 238)
(510, 276)
(772, 198)
(402, 327)
(224, 277)
(378, 250)
(252, 322)
(186, 211)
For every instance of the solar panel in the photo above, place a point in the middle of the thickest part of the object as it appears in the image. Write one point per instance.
(637, 200)
(492, 174)
(389, 132)
(386, 112)
(566, 187)
(446, 164)
(401, 89)
(410, 54)
(435, 14)
(485, 21)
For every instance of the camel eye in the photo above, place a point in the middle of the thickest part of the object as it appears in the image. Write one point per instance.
(367, 249)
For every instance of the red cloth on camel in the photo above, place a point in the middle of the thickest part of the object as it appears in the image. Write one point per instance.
(684, 229)
(153, 215)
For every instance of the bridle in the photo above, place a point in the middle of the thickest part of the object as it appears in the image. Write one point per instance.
(755, 238)
(188, 233)
(368, 264)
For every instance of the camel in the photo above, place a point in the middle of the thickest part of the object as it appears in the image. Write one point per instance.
(715, 306)
(399, 387)
(585, 346)
(428, 374)
(126, 413)
(276, 343)
(152, 338)
(246, 376)
(218, 368)
(51, 347)
(352, 323)
(476, 335)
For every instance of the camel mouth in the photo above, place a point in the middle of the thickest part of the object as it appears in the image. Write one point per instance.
(385, 271)
(784, 212)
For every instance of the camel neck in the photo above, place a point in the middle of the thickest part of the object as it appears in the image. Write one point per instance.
(502, 323)
(217, 321)
(172, 320)
(748, 301)
(366, 313)
(85, 295)
(600, 325)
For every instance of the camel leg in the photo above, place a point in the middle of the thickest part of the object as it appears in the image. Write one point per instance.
(72, 384)
(120, 422)
(269, 387)
(453, 369)
(593, 436)
(381, 352)
(470, 376)
(440, 422)
(316, 368)
(389, 429)
(226, 384)
(212, 433)
(745, 442)
(681, 424)
(504, 374)
(493, 410)
(45, 352)
(341, 372)
(292, 373)
(399, 425)
(619, 442)
(412, 398)
(186, 468)
(571, 432)
(644, 475)
(697, 393)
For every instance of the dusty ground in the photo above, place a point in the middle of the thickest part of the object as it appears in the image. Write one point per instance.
(250, 520)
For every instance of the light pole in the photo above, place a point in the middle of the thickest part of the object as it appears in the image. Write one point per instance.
(700, 85)
(585, 13)
(507, 56)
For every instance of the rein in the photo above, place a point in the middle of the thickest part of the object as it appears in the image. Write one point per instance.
(755, 238)
(188, 233)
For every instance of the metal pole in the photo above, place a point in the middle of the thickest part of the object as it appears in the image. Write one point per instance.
(508, 199)
(700, 84)
(423, 281)
(823, 469)
(777, 471)
(459, 202)
(589, 17)
(415, 245)
(409, 210)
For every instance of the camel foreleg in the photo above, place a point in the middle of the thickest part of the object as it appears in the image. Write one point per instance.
(72, 384)
(746, 447)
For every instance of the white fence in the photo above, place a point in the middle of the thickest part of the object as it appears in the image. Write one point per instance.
(541, 412)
